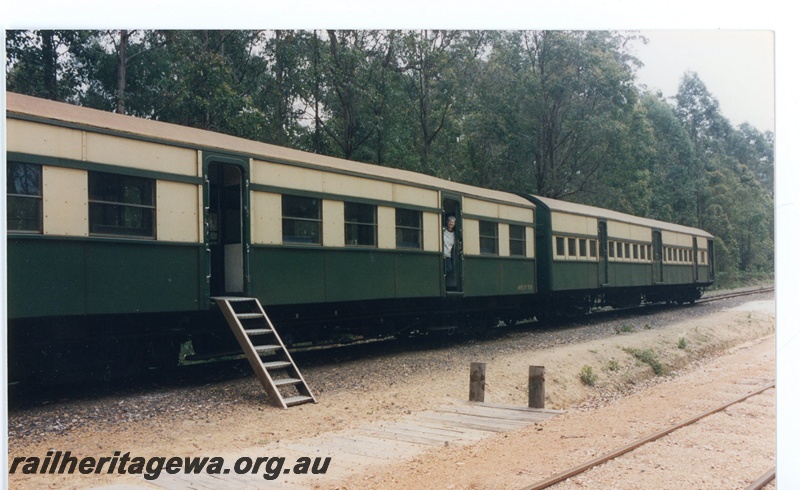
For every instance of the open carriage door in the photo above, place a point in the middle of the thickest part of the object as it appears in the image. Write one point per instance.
(453, 272)
(225, 227)
(602, 235)
(658, 259)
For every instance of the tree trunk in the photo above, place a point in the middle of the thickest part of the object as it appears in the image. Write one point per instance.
(122, 68)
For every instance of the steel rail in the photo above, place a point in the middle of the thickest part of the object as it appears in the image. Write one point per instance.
(763, 480)
(630, 447)
(736, 294)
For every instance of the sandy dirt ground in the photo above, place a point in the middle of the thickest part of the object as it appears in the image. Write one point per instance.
(707, 361)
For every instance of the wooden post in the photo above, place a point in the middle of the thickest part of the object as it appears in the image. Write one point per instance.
(536, 387)
(477, 381)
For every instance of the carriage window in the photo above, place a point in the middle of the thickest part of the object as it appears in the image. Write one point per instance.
(611, 249)
(24, 197)
(560, 246)
(487, 233)
(121, 205)
(582, 247)
(360, 225)
(619, 249)
(592, 248)
(302, 219)
(516, 240)
(408, 228)
(571, 247)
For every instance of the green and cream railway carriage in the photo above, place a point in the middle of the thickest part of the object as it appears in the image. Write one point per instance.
(591, 256)
(121, 230)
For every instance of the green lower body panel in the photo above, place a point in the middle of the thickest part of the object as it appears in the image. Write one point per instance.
(575, 275)
(56, 277)
(678, 274)
(498, 276)
(626, 274)
(295, 275)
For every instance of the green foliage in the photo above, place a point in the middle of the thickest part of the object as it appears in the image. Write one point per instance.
(624, 328)
(613, 365)
(588, 377)
(682, 343)
(649, 357)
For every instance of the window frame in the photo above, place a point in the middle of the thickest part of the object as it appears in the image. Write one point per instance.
(298, 239)
(521, 244)
(356, 225)
(37, 199)
(484, 238)
(400, 228)
(100, 205)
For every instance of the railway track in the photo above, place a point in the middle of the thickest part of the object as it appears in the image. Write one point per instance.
(757, 484)
(735, 294)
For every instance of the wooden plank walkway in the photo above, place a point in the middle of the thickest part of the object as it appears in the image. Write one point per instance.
(369, 447)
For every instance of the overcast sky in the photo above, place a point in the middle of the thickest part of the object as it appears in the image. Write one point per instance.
(737, 67)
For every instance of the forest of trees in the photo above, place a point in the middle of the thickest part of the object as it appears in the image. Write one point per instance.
(554, 113)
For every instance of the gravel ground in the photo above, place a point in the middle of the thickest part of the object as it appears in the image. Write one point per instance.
(382, 381)
(343, 372)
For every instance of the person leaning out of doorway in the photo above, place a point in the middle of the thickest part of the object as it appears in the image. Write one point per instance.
(448, 246)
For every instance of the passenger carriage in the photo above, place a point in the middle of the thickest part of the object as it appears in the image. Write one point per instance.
(597, 257)
(121, 230)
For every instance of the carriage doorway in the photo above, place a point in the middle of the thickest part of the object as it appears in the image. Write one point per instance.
(453, 269)
(602, 235)
(658, 258)
(224, 221)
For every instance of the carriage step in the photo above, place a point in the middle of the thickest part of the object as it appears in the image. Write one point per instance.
(276, 364)
(297, 400)
(248, 316)
(287, 381)
(294, 381)
(266, 348)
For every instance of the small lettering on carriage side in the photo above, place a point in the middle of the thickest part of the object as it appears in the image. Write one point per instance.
(525, 287)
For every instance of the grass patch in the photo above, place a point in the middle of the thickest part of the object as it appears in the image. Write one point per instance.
(682, 343)
(624, 328)
(613, 365)
(588, 377)
(649, 357)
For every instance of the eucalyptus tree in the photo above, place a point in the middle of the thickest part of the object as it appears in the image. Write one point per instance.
(436, 65)
(354, 63)
(41, 62)
(581, 87)
(673, 168)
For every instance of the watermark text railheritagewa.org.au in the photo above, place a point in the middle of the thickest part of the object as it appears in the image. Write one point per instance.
(64, 463)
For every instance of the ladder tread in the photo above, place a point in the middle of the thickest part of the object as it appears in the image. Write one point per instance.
(266, 347)
(258, 331)
(248, 316)
(276, 364)
(232, 298)
(297, 400)
(287, 381)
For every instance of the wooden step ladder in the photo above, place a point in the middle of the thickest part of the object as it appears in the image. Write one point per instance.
(264, 349)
